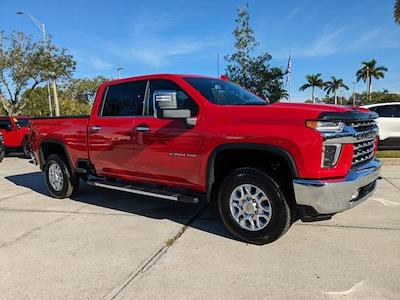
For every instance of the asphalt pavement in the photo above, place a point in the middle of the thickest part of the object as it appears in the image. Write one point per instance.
(111, 245)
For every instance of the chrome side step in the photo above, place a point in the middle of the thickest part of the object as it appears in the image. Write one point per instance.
(145, 191)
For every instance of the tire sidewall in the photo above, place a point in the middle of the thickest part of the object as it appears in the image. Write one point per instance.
(66, 176)
(279, 208)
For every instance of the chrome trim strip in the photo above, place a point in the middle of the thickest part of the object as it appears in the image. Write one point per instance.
(349, 136)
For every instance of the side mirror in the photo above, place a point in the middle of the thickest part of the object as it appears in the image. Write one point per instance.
(166, 106)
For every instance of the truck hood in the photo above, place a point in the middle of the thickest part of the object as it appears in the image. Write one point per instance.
(286, 113)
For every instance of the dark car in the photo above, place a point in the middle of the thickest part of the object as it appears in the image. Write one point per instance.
(2, 149)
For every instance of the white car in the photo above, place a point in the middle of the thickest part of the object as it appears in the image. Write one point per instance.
(388, 123)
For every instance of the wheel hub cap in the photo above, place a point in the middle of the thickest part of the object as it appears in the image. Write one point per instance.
(56, 178)
(250, 207)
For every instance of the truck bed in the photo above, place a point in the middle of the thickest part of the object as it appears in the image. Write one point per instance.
(69, 131)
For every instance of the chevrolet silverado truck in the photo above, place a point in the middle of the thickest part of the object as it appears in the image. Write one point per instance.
(15, 132)
(189, 138)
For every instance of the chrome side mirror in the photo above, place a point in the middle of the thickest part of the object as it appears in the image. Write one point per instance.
(166, 106)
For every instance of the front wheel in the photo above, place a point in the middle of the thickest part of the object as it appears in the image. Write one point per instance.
(253, 207)
(60, 182)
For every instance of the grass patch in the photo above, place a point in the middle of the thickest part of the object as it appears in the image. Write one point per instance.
(388, 154)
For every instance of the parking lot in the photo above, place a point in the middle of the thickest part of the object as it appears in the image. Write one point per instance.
(112, 245)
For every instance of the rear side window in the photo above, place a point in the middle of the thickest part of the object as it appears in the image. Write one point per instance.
(5, 123)
(388, 111)
(124, 99)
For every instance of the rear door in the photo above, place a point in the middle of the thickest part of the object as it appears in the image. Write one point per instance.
(110, 132)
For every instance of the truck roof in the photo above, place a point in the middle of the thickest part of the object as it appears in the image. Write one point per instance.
(156, 76)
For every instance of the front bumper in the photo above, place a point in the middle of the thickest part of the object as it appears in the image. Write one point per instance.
(331, 196)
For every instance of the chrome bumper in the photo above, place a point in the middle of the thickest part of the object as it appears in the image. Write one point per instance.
(335, 195)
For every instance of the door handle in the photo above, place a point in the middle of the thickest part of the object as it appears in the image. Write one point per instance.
(95, 128)
(142, 129)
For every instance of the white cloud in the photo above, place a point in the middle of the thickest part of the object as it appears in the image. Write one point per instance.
(340, 40)
(93, 61)
(327, 43)
(295, 11)
(153, 44)
(158, 52)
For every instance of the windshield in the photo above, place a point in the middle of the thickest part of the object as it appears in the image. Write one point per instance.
(224, 92)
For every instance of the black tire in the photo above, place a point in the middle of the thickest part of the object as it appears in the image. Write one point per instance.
(25, 148)
(70, 185)
(280, 220)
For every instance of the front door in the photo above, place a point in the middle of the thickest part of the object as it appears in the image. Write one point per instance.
(168, 151)
(9, 131)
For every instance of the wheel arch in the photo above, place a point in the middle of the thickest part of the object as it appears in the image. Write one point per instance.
(273, 151)
(48, 147)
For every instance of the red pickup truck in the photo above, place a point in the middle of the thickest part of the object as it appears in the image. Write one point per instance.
(15, 132)
(185, 138)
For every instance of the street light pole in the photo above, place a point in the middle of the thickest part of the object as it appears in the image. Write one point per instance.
(119, 71)
(42, 28)
(354, 93)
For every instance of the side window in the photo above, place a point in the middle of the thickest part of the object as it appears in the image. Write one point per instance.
(23, 122)
(124, 99)
(184, 101)
(5, 123)
(388, 111)
(397, 111)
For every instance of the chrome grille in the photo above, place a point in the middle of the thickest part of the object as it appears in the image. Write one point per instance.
(364, 125)
(363, 151)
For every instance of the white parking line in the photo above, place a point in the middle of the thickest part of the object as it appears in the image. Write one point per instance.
(386, 203)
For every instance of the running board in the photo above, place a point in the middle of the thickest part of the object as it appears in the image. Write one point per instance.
(145, 191)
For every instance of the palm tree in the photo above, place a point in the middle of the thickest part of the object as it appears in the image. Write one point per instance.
(368, 71)
(397, 12)
(333, 86)
(314, 80)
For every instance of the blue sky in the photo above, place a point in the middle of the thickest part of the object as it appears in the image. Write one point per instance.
(177, 36)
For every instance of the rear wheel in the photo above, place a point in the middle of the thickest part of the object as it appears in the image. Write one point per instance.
(60, 181)
(253, 207)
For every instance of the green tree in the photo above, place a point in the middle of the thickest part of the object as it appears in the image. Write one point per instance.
(333, 86)
(368, 71)
(83, 89)
(313, 81)
(36, 103)
(252, 73)
(397, 12)
(25, 64)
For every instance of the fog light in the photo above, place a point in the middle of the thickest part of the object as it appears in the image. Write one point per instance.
(355, 195)
(330, 155)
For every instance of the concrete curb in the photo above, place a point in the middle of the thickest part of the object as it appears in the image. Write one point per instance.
(390, 161)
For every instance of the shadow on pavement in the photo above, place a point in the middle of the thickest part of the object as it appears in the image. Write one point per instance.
(16, 154)
(208, 220)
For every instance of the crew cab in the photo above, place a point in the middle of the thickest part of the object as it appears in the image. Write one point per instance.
(15, 132)
(2, 149)
(189, 138)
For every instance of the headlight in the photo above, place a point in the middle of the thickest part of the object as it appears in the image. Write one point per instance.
(325, 126)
